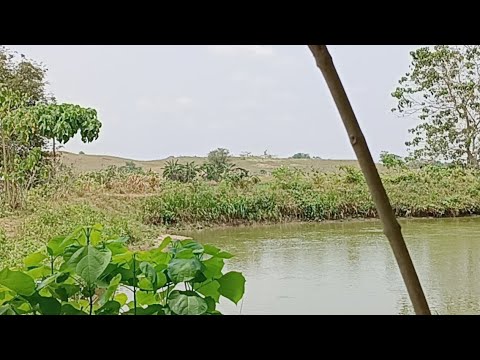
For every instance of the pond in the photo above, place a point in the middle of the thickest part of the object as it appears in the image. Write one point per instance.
(349, 268)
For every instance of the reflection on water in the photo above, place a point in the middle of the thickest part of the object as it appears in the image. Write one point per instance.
(348, 267)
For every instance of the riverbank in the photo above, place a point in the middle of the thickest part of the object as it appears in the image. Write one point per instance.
(142, 206)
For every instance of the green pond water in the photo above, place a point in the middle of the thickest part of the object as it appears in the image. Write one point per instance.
(349, 268)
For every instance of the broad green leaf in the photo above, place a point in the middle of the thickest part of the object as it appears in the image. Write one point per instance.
(39, 272)
(95, 234)
(232, 286)
(5, 295)
(112, 287)
(109, 308)
(224, 255)
(159, 257)
(149, 310)
(49, 306)
(66, 291)
(58, 244)
(47, 281)
(34, 260)
(161, 280)
(68, 309)
(145, 284)
(6, 310)
(184, 254)
(214, 251)
(122, 258)
(17, 281)
(187, 303)
(117, 246)
(92, 265)
(144, 298)
(165, 242)
(210, 289)
(121, 298)
(210, 249)
(69, 251)
(73, 261)
(211, 304)
(213, 268)
(21, 307)
(104, 279)
(54, 246)
(149, 271)
(80, 236)
(180, 270)
(62, 278)
(193, 245)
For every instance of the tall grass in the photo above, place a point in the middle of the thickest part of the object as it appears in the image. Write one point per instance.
(141, 205)
(294, 195)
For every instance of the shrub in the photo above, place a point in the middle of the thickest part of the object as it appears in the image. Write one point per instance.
(87, 273)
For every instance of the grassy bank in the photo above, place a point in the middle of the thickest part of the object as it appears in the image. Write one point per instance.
(142, 206)
(291, 195)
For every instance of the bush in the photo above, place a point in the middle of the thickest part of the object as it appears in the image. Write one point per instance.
(391, 160)
(301, 156)
(88, 273)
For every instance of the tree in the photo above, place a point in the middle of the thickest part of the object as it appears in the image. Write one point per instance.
(23, 75)
(26, 77)
(442, 89)
(301, 156)
(22, 162)
(219, 157)
(391, 160)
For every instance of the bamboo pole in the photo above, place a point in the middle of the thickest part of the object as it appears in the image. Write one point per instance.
(391, 227)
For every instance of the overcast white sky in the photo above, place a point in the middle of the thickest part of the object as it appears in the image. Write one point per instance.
(156, 101)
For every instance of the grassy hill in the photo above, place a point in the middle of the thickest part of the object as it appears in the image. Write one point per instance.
(83, 163)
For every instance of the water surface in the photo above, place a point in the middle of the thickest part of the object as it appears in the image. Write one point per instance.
(349, 268)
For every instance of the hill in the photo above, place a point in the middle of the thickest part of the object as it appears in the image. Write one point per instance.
(84, 162)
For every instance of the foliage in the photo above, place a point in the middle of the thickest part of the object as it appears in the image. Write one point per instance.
(86, 273)
(294, 195)
(219, 157)
(301, 156)
(218, 167)
(29, 118)
(23, 75)
(22, 164)
(129, 178)
(391, 160)
(142, 206)
(180, 172)
(442, 90)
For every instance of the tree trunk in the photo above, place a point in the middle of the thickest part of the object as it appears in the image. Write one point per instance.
(391, 227)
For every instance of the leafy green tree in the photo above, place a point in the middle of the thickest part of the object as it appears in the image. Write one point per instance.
(23, 161)
(219, 157)
(442, 90)
(28, 78)
(301, 156)
(23, 75)
(391, 160)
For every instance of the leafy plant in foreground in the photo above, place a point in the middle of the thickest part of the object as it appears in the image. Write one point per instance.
(86, 274)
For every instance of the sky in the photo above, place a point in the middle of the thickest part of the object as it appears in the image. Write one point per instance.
(157, 101)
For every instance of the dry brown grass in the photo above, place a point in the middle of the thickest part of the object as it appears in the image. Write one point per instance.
(84, 163)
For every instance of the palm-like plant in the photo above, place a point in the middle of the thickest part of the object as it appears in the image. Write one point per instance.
(172, 170)
(190, 171)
